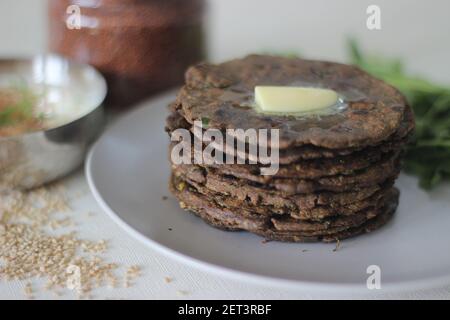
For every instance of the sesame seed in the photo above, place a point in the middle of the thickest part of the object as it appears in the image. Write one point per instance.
(28, 290)
(28, 250)
(338, 245)
(182, 293)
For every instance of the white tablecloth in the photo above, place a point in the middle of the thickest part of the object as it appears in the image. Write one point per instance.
(187, 283)
(229, 39)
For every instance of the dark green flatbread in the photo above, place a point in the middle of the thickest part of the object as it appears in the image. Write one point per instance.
(255, 195)
(309, 152)
(376, 174)
(285, 228)
(336, 170)
(304, 169)
(317, 213)
(222, 94)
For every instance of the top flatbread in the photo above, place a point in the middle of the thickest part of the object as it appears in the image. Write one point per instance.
(221, 94)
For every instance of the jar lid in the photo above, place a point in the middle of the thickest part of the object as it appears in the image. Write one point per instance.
(132, 13)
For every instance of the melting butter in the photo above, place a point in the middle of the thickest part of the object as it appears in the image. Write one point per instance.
(282, 99)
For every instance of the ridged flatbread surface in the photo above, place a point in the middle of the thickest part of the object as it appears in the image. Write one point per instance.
(336, 172)
(219, 93)
(284, 227)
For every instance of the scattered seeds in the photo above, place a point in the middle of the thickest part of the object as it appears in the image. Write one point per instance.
(181, 186)
(28, 290)
(182, 293)
(338, 245)
(132, 273)
(29, 247)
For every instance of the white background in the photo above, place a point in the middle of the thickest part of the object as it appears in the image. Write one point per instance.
(418, 31)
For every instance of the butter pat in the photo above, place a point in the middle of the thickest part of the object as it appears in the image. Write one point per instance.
(293, 99)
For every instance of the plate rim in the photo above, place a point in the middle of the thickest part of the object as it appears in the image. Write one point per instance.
(215, 269)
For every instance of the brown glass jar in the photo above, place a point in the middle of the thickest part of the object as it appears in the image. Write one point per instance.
(141, 46)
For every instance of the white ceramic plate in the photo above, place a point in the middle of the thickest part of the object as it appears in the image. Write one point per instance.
(128, 172)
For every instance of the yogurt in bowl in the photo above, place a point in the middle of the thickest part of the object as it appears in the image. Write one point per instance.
(50, 112)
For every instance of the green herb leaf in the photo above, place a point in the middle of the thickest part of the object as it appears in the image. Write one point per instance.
(205, 122)
(428, 156)
(21, 111)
